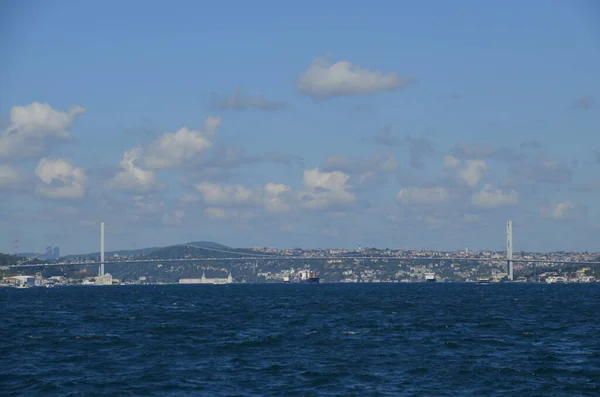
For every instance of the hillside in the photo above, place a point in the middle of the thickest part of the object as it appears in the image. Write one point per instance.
(10, 260)
(134, 252)
(199, 250)
(209, 244)
(161, 252)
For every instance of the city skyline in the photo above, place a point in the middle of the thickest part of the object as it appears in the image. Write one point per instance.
(422, 126)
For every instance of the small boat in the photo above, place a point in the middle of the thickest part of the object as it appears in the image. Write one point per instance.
(483, 280)
(430, 278)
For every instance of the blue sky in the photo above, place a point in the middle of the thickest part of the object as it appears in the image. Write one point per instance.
(398, 124)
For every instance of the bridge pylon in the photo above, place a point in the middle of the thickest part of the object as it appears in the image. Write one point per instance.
(509, 250)
(101, 270)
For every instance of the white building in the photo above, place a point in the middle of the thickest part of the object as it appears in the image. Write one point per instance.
(205, 280)
(104, 280)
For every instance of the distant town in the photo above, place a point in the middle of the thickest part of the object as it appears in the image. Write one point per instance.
(211, 263)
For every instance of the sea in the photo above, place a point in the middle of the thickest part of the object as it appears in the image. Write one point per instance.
(413, 339)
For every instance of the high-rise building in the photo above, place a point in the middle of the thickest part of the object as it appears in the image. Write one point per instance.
(48, 252)
(56, 252)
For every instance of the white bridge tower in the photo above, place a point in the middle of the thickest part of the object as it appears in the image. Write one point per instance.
(509, 250)
(101, 272)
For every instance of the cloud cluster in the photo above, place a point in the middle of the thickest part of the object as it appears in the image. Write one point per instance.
(59, 179)
(561, 211)
(325, 79)
(469, 172)
(34, 129)
(322, 191)
(326, 190)
(363, 171)
(168, 151)
(430, 195)
(189, 173)
(490, 198)
(132, 178)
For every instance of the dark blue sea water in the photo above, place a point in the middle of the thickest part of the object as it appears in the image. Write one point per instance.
(302, 340)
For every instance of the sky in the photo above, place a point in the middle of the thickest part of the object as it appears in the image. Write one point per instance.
(390, 124)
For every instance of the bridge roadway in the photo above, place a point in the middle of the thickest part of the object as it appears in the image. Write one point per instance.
(304, 258)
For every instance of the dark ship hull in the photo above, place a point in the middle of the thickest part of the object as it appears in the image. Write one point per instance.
(311, 280)
(307, 277)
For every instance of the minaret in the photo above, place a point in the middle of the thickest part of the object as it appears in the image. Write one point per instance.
(509, 250)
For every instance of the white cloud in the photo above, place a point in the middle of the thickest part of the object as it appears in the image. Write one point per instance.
(471, 173)
(489, 198)
(60, 179)
(216, 194)
(277, 198)
(323, 191)
(559, 211)
(274, 197)
(217, 213)
(211, 125)
(414, 195)
(326, 189)
(132, 178)
(324, 79)
(174, 148)
(34, 128)
(8, 175)
(170, 150)
(363, 171)
(333, 181)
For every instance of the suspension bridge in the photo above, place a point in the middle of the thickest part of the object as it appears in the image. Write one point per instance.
(245, 256)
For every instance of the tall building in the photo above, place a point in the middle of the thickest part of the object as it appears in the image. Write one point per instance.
(56, 252)
(48, 252)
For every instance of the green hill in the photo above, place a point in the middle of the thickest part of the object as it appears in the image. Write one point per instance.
(170, 252)
(209, 244)
(11, 260)
(199, 250)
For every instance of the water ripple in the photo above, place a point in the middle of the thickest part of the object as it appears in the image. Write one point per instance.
(301, 340)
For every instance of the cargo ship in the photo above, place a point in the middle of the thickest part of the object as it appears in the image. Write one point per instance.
(307, 277)
(430, 278)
